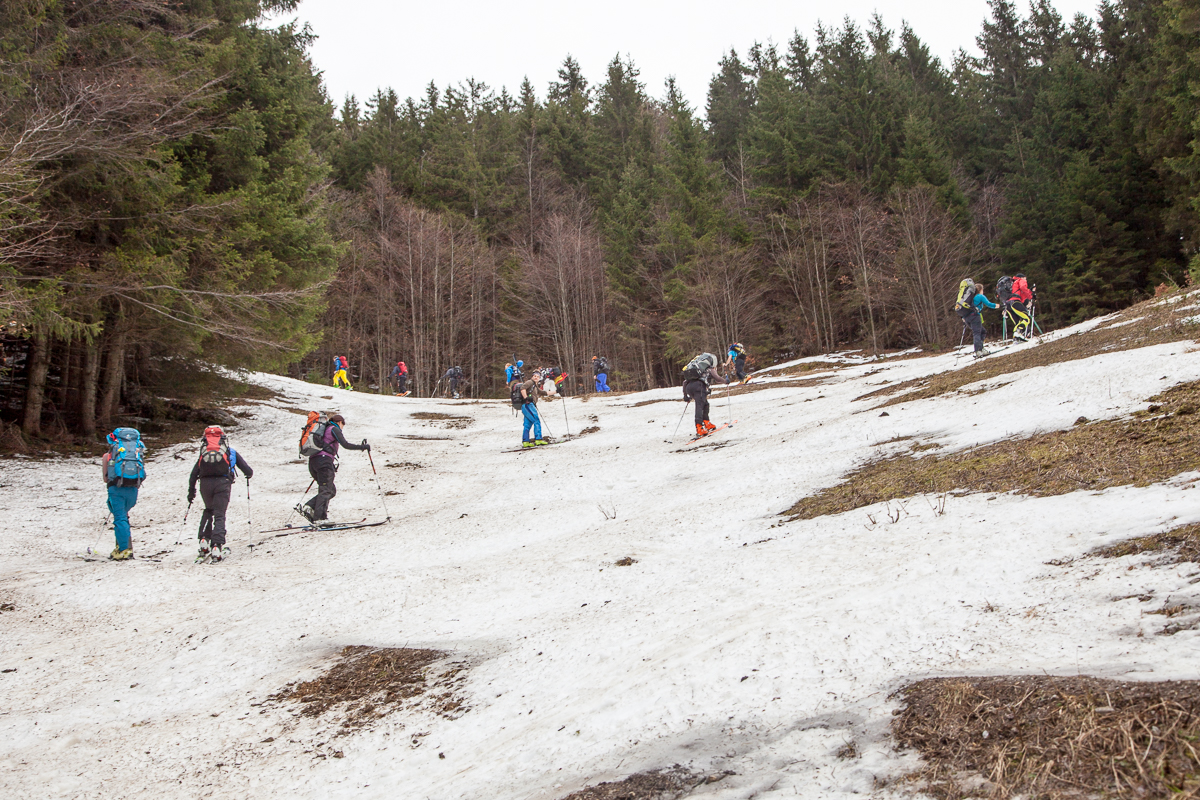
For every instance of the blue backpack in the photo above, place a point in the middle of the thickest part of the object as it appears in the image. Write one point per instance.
(127, 457)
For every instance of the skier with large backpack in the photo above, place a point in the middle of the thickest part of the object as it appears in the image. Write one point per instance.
(736, 359)
(452, 378)
(600, 370)
(215, 470)
(524, 396)
(1017, 307)
(124, 468)
(512, 372)
(964, 306)
(320, 441)
(697, 375)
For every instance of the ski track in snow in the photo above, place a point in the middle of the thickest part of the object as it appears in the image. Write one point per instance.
(736, 642)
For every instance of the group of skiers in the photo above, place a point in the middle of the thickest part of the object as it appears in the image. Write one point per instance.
(215, 469)
(1016, 298)
(454, 378)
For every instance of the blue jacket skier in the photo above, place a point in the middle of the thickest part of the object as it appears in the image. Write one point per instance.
(737, 358)
(124, 470)
(529, 413)
(600, 370)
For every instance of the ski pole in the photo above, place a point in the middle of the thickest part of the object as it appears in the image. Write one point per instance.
(544, 425)
(729, 406)
(378, 486)
(677, 424)
(248, 501)
(567, 420)
(186, 511)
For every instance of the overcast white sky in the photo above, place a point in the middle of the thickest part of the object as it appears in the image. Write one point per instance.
(366, 44)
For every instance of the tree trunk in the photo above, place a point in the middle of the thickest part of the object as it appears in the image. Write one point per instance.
(87, 394)
(114, 373)
(35, 394)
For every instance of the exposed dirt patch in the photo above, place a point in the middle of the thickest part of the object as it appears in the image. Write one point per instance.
(1147, 323)
(651, 402)
(8, 607)
(1180, 544)
(1148, 447)
(406, 465)
(659, 784)
(757, 385)
(369, 682)
(1051, 738)
(627, 561)
(799, 369)
(590, 429)
(451, 421)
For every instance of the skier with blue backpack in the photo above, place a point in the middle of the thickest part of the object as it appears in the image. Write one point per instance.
(215, 469)
(124, 470)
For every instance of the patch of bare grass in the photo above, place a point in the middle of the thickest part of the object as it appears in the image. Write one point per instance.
(1182, 544)
(1148, 447)
(659, 784)
(1048, 738)
(1148, 323)
(449, 421)
(369, 682)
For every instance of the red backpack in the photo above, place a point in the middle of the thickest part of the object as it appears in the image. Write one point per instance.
(216, 457)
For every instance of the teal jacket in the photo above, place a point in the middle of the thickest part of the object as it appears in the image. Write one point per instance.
(982, 302)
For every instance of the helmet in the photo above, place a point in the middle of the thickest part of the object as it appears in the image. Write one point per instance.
(520, 364)
(1019, 275)
(594, 358)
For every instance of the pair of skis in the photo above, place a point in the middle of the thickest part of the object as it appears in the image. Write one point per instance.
(288, 530)
(695, 439)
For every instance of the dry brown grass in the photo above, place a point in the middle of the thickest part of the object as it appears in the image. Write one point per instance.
(659, 784)
(1156, 323)
(1045, 738)
(1182, 544)
(1148, 447)
(368, 682)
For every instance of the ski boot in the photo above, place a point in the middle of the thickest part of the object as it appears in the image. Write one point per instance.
(709, 427)
(205, 546)
(527, 444)
(219, 554)
(538, 442)
(120, 555)
(304, 511)
(982, 353)
(701, 430)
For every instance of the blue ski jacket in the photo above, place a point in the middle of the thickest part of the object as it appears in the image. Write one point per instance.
(981, 302)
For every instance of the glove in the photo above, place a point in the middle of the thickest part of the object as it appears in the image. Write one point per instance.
(191, 495)
(366, 446)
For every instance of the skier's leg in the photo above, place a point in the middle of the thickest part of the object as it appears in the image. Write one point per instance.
(206, 519)
(537, 422)
(527, 419)
(120, 500)
(217, 499)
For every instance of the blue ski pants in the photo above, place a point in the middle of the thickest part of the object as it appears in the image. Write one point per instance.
(532, 420)
(120, 500)
(602, 382)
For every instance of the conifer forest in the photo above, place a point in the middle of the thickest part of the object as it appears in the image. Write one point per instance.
(176, 184)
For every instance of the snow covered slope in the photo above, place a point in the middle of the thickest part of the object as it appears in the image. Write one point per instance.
(734, 642)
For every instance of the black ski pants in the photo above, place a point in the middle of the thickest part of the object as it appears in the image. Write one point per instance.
(215, 494)
(322, 469)
(970, 318)
(739, 366)
(698, 391)
(401, 382)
